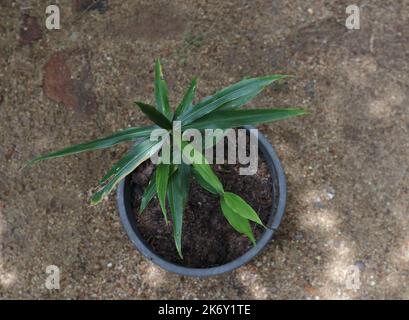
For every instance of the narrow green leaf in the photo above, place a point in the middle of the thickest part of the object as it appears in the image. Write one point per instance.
(187, 99)
(207, 174)
(236, 118)
(178, 193)
(240, 92)
(203, 169)
(237, 103)
(239, 223)
(241, 207)
(161, 92)
(154, 115)
(120, 163)
(162, 177)
(148, 194)
(203, 183)
(143, 152)
(109, 141)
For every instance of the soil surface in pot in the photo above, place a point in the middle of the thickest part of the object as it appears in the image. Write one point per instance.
(207, 238)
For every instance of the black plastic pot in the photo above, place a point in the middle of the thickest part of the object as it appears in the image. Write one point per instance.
(279, 192)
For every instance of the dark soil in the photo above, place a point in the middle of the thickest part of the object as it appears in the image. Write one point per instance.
(208, 240)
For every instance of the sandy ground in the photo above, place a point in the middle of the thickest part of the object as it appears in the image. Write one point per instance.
(346, 164)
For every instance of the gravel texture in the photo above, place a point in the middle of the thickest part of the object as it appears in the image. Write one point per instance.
(346, 164)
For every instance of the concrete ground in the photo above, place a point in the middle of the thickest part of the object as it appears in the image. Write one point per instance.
(345, 234)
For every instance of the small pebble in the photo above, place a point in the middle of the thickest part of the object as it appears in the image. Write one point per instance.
(319, 205)
(309, 88)
(361, 266)
(109, 265)
(330, 193)
(74, 36)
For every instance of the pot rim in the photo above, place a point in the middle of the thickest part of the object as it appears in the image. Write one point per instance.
(277, 212)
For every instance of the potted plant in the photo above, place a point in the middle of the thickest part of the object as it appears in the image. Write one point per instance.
(231, 226)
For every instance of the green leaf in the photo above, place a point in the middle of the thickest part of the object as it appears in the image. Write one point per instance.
(155, 115)
(235, 104)
(239, 223)
(187, 99)
(233, 96)
(162, 177)
(148, 194)
(241, 207)
(109, 141)
(203, 169)
(120, 163)
(142, 152)
(178, 193)
(237, 118)
(206, 173)
(161, 92)
(203, 183)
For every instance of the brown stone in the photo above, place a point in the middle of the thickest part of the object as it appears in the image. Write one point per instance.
(68, 80)
(30, 30)
(311, 290)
